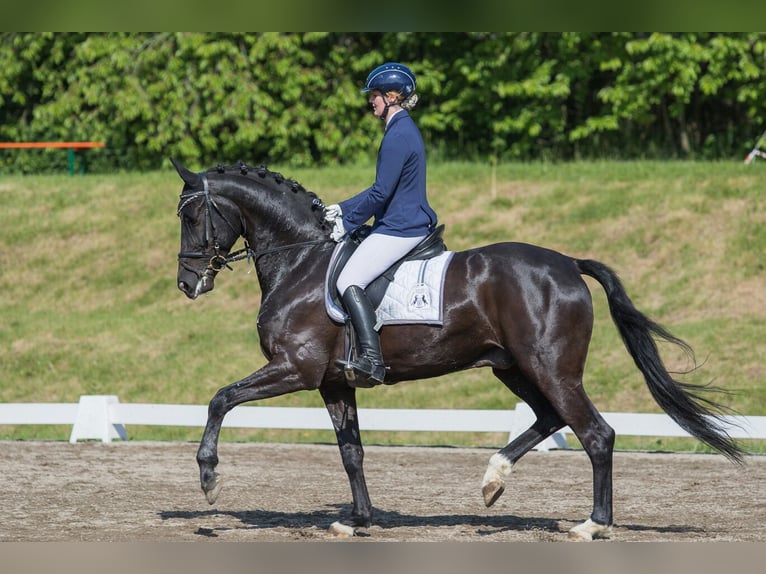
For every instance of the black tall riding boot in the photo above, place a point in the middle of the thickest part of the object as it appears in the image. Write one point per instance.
(368, 366)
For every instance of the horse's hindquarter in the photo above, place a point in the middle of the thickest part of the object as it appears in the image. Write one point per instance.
(500, 301)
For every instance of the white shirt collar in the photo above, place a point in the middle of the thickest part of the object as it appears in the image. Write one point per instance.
(391, 116)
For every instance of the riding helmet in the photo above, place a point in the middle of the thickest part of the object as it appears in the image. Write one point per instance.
(391, 76)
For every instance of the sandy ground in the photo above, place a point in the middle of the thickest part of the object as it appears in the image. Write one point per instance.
(146, 491)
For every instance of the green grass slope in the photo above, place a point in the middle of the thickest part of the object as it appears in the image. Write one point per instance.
(89, 303)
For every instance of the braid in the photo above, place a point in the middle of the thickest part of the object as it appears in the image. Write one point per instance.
(409, 102)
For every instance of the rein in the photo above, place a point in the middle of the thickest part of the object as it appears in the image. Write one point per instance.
(249, 253)
(219, 261)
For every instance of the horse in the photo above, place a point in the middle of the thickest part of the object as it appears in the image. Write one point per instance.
(522, 310)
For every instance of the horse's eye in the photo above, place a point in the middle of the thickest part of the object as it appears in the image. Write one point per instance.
(189, 214)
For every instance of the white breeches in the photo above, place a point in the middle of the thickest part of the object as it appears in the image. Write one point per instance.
(373, 256)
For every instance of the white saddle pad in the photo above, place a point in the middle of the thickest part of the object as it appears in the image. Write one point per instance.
(414, 296)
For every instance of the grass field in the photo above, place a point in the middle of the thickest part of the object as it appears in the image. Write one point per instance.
(89, 302)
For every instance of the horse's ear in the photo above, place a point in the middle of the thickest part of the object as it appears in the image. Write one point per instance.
(189, 177)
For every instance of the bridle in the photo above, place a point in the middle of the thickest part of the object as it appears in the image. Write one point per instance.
(218, 261)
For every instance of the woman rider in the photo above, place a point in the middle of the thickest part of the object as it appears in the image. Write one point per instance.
(397, 201)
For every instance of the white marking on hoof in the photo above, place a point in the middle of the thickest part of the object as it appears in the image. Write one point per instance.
(589, 530)
(339, 530)
(493, 484)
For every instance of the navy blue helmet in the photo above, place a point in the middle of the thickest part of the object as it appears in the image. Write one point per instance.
(391, 76)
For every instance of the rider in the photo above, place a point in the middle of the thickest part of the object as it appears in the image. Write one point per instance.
(397, 201)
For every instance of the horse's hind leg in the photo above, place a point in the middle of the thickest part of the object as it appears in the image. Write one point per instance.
(546, 423)
(597, 438)
(558, 405)
(568, 398)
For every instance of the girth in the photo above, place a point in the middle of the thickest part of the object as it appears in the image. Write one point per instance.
(431, 246)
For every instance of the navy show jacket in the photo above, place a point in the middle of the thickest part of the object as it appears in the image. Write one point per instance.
(397, 200)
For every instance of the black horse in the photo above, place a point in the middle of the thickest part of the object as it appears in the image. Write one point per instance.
(524, 311)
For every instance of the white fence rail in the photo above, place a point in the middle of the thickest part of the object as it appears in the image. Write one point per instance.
(103, 417)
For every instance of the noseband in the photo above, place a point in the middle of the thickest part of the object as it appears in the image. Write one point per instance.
(218, 261)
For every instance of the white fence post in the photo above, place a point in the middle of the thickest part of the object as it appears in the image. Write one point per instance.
(94, 419)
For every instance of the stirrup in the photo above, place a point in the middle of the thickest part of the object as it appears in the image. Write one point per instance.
(362, 372)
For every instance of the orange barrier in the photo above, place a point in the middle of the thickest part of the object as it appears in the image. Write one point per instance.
(70, 146)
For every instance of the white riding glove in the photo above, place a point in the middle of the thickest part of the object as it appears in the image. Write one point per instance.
(332, 212)
(338, 231)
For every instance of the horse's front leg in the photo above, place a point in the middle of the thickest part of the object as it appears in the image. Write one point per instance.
(341, 404)
(272, 380)
(207, 453)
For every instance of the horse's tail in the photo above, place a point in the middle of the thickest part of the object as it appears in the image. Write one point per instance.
(697, 415)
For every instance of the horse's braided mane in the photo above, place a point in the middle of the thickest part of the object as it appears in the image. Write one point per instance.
(263, 172)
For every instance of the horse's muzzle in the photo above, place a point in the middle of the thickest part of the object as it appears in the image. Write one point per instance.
(192, 284)
(189, 290)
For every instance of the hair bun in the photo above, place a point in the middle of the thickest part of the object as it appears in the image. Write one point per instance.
(410, 102)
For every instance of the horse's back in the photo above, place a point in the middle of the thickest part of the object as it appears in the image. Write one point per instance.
(519, 261)
(520, 283)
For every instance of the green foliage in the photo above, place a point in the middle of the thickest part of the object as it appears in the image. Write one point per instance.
(687, 94)
(293, 98)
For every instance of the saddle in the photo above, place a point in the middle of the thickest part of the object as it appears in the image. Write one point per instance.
(431, 246)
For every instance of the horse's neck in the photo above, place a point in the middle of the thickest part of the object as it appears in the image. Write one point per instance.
(269, 233)
(281, 272)
(284, 238)
(270, 224)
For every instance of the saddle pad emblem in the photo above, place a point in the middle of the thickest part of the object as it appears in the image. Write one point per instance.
(420, 296)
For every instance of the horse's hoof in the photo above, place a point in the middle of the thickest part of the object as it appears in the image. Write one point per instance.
(212, 492)
(493, 485)
(588, 531)
(340, 530)
(492, 491)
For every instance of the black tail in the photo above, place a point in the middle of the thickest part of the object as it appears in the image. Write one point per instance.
(697, 415)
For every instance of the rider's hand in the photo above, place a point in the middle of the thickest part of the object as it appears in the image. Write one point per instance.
(338, 231)
(332, 212)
